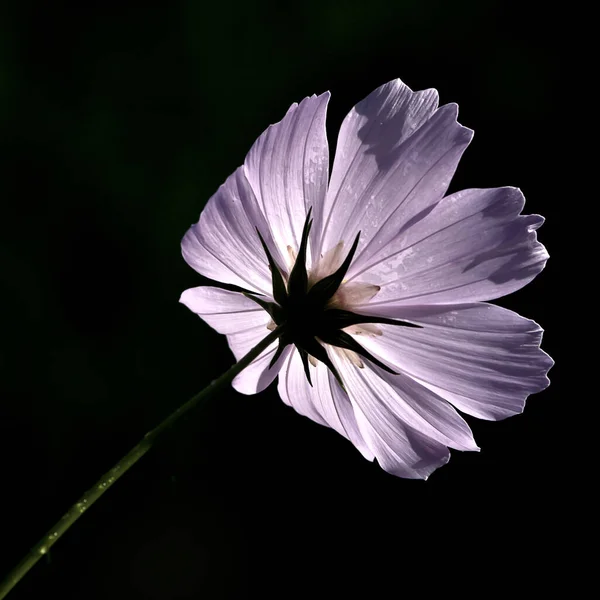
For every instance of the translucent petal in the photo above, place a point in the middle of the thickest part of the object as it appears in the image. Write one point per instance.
(245, 325)
(395, 156)
(288, 169)
(224, 244)
(472, 246)
(483, 359)
(399, 448)
(323, 402)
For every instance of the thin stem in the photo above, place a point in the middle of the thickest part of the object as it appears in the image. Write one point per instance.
(109, 478)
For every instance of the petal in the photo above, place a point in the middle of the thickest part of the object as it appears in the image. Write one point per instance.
(420, 409)
(395, 156)
(483, 359)
(224, 244)
(323, 402)
(288, 169)
(257, 376)
(245, 325)
(227, 312)
(399, 448)
(474, 245)
(427, 412)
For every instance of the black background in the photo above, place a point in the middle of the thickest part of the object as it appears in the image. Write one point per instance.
(121, 120)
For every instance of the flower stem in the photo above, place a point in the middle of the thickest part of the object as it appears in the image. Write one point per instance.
(109, 478)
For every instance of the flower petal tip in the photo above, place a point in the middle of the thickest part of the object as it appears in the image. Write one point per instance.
(183, 298)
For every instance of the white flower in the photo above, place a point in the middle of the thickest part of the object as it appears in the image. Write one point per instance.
(383, 304)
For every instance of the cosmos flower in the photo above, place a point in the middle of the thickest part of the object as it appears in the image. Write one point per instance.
(378, 278)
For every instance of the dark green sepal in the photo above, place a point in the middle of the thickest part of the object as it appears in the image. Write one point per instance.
(204, 281)
(342, 340)
(271, 307)
(323, 290)
(338, 318)
(280, 348)
(315, 349)
(298, 281)
(304, 357)
(279, 292)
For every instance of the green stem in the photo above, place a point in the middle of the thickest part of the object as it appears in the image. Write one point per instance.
(109, 478)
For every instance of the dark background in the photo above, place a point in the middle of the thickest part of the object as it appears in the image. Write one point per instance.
(120, 120)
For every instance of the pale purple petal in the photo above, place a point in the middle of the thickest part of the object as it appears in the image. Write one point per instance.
(483, 359)
(399, 448)
(395, 157)
(224, 245)
(245, 325)
(427, 412)
(257, 375)
(288, 169)
(323, 402)
(293, 389)
(227, 312)
(474, 245)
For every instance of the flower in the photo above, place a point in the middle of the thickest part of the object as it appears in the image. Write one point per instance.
(379, 279)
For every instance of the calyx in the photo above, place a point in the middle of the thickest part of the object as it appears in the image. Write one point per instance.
(308, 321)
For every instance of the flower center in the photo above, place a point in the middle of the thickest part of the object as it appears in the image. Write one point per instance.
(313, 315)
